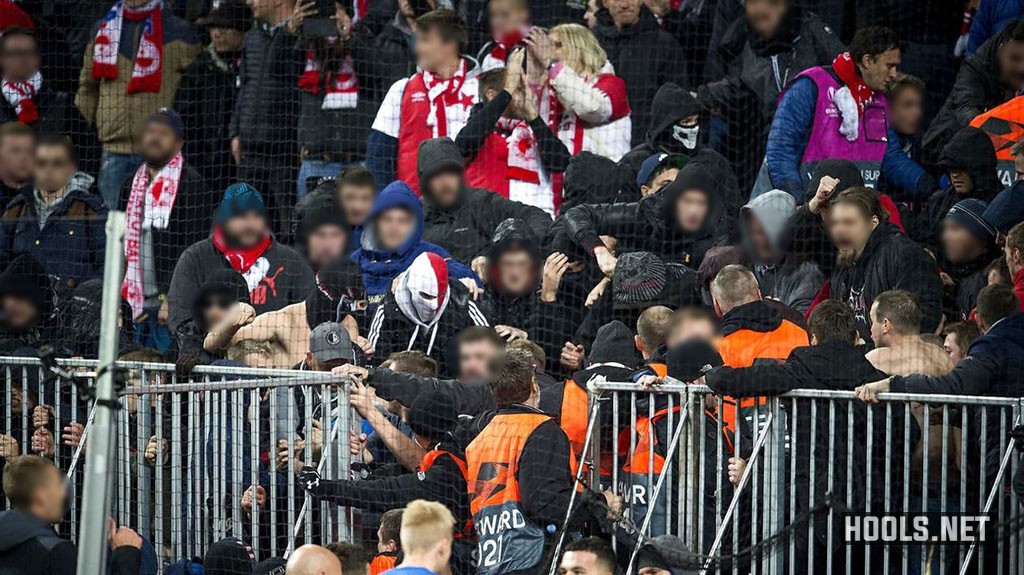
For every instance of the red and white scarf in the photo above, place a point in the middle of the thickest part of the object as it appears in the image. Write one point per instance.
(341, 89)
(148, 63)
(852, 98)
(444, 92)
(20, 96)
(149, 208)
(523, 164)
(249, 262)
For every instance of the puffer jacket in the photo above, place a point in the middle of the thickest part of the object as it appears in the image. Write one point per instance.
(71, 243)
(337, 135)
(105, 104)
(890, 260)
(650, 224)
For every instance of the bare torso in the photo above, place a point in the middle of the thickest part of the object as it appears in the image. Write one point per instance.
(915, 357)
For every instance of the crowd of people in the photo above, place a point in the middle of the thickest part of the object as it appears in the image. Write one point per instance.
(474, 208)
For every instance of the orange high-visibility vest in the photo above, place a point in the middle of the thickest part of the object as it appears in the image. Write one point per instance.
(574, 415)
(382, 562)
(466, 531)
(508, 541)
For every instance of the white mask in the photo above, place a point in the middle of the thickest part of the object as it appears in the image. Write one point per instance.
(686, 136)
(428, 275)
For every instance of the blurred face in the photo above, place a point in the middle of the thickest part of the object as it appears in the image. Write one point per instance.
(905, 111)
(691, 210)
(258, 360)
(19, 313)
(516, 272)
(995, 277)
(20, 58)
(445, 187)
(590, 16)
(962, 181)
(326, 243)
(16, 403)
(474, 357)
(215, 309)
(356, 201)
(506, 17)
(1011, 64)
(691, 329)
(850, 231)
(432, 52)
(880, 69)
(54, 168)
(263, 9)
(16, 157)
(48, 500)
(226, 40)
(581, 563)
(764, 16)
(624, 12)
(159, 144)
(245, 230)
(952, 347)
(958, 245)
(393, 228)
(759, 240)
(661, 180)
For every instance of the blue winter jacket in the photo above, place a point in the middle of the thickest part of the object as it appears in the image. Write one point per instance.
(991, 18)
(788, 137)
(381, 267)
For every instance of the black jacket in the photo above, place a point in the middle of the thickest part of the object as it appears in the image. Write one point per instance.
(266, 114)
(206, 99)
(501, 306)
(288, 279)
(465, 228)
(650, 224)
(30, 547)
(969, 278)
(383, 57)
(58, 115)
(335, 135)
(645, 57)
(979, 87)
(890, 260)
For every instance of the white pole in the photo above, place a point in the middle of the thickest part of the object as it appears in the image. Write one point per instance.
(99, 468)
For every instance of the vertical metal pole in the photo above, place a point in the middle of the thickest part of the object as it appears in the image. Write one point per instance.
(99, 472)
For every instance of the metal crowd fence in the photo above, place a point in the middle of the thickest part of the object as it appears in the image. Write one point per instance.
(812, 459)
(188, 452)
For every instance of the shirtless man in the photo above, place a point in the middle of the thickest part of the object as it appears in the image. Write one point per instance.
(896, 329)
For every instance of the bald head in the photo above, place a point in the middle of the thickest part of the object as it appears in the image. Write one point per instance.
(312, 560)
(734, 286)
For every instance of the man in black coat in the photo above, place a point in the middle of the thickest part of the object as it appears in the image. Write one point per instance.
(968, 247)
(992, 76)
(644, 56)
(509, 300)
(207, 92)
(874, 256)
(459, 218)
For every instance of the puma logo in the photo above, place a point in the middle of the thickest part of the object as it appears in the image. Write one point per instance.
(271, 281)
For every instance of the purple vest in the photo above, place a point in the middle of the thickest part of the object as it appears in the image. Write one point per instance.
(827, 143)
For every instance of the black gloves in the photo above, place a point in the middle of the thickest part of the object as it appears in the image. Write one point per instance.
(309, 479)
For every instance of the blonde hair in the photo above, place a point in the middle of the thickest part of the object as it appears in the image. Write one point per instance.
(424, 525)
(581, 50)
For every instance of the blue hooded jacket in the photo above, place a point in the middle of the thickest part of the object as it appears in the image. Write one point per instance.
(380, 267)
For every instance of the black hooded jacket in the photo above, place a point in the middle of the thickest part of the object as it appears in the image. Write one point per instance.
(671, 104)
(650, 224)
(500, 306)
(28, 546)
(465, 228)
(970, 150)
(890, 260)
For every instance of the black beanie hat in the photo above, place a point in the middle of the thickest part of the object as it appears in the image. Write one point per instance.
(26, 278)
(432, 416)
(614, 344)
(227, 557)
(690, 360)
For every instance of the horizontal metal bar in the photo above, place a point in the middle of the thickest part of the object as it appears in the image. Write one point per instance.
(297, 379)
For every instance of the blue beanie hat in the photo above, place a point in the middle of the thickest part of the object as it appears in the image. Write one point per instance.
(1006, 209)
(238, 199)
(969, 214)
(169, 118)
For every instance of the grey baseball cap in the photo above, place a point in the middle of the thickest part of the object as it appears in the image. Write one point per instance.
(329, 342)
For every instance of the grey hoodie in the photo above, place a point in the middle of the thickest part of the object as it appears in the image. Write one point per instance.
(790, 282)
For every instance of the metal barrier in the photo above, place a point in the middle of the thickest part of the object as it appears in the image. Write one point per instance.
(187, 452)
(811, 457)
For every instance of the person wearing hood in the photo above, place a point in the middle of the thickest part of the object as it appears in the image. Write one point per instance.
(448, 82)
(765, 238)
(462, 219)
(970, 161)
(678, 125)
(514, 265)
(679, 224)
(874, 256)
(424, 311)
(217, 298)
(26, 305)
(57, 220)
(29, 545)
(644, 56)
(839, 112)
(991, 76)
(968, 245)
(391, 238)
(322, 235)
(275, 275)
(337, 296)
